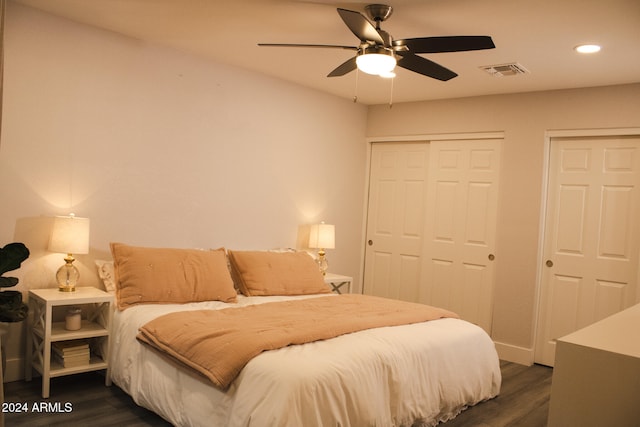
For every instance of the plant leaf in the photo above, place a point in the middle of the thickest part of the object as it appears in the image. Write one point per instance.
(11, 256)
(7, 282)
(12, 309)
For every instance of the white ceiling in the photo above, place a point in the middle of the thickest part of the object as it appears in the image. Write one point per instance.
(538, 34)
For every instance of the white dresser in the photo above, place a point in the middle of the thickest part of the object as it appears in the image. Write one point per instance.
(596, 378)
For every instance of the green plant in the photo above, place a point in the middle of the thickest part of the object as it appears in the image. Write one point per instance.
(12, 309)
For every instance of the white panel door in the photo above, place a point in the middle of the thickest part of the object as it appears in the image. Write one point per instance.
(591, 237)
(397, 196)
(460, 229)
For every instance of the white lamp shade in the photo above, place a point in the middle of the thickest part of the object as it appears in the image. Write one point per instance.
(70, 235)
(376, 63)
(322, 236)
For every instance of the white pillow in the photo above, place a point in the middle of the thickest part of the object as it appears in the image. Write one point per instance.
(107, 274)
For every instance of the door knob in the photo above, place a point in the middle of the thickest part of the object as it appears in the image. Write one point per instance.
(549, 263)
(491, 257)
(370, 242)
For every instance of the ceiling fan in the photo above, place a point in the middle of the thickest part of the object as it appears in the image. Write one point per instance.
(378, 53)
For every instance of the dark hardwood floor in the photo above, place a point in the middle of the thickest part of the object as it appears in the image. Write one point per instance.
(523, 402)
(92, 404)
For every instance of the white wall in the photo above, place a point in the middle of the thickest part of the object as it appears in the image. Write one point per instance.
(162, 148)
(524, 118)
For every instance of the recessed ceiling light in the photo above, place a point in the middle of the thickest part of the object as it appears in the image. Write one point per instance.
(588, 48)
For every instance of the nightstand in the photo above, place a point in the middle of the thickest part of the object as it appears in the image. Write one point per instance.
(47, 306)
(337, 281)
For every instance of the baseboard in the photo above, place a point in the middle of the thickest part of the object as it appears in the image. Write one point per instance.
(515, 354)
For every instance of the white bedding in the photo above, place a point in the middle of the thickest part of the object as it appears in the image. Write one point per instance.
(417, 374)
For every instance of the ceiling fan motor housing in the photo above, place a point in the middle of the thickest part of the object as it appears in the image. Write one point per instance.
(378, 12)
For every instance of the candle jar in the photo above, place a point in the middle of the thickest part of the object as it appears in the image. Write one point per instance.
(73, 319)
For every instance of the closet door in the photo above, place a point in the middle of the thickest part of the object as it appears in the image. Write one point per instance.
(395, 219)
(460, 228)
(591, 236)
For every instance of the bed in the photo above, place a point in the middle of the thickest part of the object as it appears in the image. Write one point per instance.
(416, 374)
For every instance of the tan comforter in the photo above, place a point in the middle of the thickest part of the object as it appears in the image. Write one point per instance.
(219, 343)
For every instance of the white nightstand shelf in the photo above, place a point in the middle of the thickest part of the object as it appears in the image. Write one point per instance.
(337, 281)
(57, 370)
(97, 305)
(88, 329)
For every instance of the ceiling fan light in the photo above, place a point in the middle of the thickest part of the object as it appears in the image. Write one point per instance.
(376, 63)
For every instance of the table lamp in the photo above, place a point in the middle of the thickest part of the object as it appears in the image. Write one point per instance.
(69, 235)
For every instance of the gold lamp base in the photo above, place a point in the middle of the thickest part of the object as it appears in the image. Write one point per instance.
(67, 276)
(323, 264)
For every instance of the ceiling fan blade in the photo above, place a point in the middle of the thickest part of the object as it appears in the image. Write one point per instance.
(344, 68)
(446, 44)
(360, 26)
(323, 46)
(424, 66)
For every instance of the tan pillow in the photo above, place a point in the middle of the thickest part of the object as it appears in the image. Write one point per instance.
(276, 273)
(163, 275)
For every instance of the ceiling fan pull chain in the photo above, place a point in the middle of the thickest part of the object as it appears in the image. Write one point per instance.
(391, 93)
(355, 96)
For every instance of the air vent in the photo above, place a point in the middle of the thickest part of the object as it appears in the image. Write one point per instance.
(504, 70)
